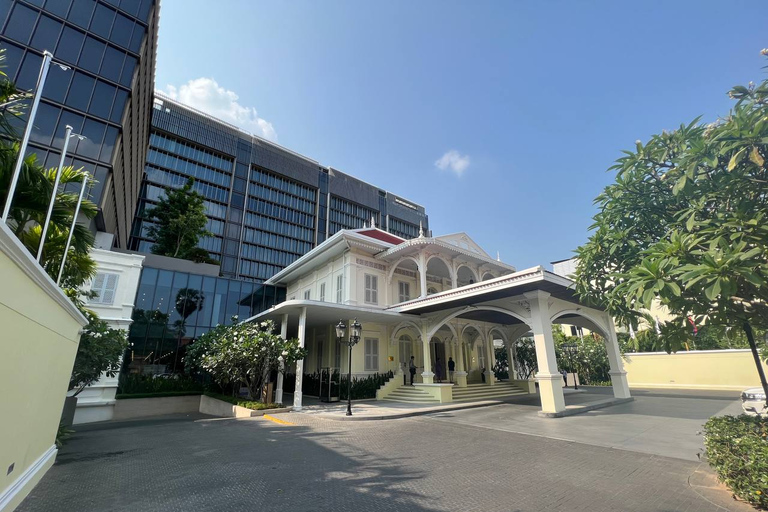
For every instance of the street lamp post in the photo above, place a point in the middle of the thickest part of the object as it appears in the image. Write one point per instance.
(68, 135)
(355, 329)
(47, 59)
(570, 349)
(72, 228)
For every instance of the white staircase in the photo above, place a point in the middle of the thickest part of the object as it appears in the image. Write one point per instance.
(410, 394)
(476, 392)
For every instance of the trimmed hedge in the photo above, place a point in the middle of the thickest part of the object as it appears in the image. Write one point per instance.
(128, 396)
(248, 404)
(737, 449)
(135, 383)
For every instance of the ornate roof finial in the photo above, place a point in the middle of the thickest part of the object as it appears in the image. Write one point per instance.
(373, 222)
(421, 230)
(498, 256)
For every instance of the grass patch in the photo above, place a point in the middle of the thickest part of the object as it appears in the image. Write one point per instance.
(248, 404)
(126, 396)
(737, 449)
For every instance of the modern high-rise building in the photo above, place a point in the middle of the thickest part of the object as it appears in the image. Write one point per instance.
(267, 205)
(105, 95)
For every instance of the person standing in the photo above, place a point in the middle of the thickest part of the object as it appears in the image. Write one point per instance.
(451, 368)
(565, 376)
(412, 369)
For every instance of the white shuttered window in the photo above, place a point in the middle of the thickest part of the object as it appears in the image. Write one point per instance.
(371, 354)
(105, 286)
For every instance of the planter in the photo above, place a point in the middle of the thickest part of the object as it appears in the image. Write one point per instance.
(68, 413)
(160, 406)
(222, 409)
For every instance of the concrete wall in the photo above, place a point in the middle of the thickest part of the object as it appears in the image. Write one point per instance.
(702, 369)
(40, 334)
(132, 408)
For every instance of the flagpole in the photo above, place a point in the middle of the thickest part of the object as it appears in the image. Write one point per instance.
(72, 228)
(53, 195)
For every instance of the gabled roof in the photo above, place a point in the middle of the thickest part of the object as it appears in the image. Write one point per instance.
(331, 248)
(378, 234)
(462, 240)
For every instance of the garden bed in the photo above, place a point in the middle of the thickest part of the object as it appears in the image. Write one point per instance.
(233, 407)
(737, 449)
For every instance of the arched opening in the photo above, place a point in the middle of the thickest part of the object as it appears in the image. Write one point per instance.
(405, 351)
(487, 276)
(438, 351)
(465, 276)
(475, 354)
(581, 347)
(404, 280)
(438, 275)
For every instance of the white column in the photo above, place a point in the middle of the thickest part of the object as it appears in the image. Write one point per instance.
(422, 275)
(460, 377)
(618, 375)
(550, 381)
(454, 275)
(427, 376)
(489, 357)
(511, 360)
(300, 362)
(279, 389)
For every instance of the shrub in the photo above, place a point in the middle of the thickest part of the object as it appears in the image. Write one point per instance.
(737, 449)
(98, 352)
(248, 404)
(362, 387)
(131, 384)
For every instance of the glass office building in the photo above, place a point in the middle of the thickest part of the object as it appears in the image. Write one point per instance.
(266, 205)
(106, 95)
(173, 308)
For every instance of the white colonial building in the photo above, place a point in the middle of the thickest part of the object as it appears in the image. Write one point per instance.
(433, 298)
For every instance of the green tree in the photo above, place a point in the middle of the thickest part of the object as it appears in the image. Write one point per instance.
(179, 224)
(99, 351)
(242, 354)
(686, 223)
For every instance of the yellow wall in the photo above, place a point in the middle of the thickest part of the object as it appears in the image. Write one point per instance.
(703, 369)
(38, 343)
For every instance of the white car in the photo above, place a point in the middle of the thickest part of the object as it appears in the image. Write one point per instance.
(753, 402)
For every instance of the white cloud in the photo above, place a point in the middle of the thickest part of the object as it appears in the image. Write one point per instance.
(454, 161)
(207, 95)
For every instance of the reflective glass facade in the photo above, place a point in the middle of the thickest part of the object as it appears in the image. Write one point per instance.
(267, 206)
(173, 308)
(105, 96)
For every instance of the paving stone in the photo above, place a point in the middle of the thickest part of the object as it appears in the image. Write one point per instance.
(314, 464)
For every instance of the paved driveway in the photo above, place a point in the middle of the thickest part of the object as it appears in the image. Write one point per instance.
(414, 464)
(658, 422)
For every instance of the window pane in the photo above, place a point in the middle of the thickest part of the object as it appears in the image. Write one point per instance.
(93, 50)
(69, 45)
(57, 84)
(137, 37)
(67, 118)
(58, 7)
(96, 187)
(13, 55)
(112, 64)
(127, 75)
(45, 123)
(29, 72)
(130, 6)
(21, 24)
(94, 131)
(101, 104)
(46, 34)
(101, 24)
(118, 106)
(109, 144)
(80, 92)
(81, 12)
(122, 30)
(146, 5)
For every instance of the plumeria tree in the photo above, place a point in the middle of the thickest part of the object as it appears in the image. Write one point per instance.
(243, 354)
(686, 224)
(99, 352)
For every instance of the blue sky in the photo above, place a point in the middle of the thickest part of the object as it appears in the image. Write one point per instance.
(501, 118)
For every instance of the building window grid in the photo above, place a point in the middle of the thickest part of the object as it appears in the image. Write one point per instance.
(280, 212)
(344, 214)
(282, 184)
(278, 226)
(190, 152)
(403, 229)
(283, 198)
(188, 167)
(165, 178)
